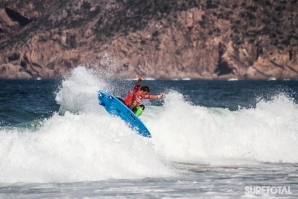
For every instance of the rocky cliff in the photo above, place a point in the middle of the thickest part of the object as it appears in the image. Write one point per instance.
(207, 39)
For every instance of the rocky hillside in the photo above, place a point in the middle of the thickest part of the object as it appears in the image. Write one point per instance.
(207, 39)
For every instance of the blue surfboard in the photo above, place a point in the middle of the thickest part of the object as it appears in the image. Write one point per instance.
(117, 108)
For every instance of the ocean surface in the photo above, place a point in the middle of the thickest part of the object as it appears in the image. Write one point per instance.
(210, 139)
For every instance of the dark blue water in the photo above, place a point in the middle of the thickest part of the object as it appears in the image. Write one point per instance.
(227, 94)
(27, 100)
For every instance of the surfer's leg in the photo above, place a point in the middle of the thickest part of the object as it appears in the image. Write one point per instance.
(134, 109)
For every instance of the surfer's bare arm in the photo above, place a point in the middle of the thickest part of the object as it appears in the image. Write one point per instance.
(138, 84)
(162, 95)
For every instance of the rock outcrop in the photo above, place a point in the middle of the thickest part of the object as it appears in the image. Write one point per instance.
(244, 39)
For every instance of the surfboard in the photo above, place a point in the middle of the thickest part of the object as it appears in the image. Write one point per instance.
(117, 108)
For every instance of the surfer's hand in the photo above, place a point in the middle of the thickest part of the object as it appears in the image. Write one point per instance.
(139, 77)
(162, 95)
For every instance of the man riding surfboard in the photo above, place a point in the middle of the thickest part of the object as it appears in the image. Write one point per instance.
(136, 95)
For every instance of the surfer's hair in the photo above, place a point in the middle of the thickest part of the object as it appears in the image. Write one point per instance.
(145, 88)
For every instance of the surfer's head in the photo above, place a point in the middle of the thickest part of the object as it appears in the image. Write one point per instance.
(145, 90)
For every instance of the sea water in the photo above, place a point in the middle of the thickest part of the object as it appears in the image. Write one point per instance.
(210, 139)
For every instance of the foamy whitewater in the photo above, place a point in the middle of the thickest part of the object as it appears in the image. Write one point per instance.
(82, 143)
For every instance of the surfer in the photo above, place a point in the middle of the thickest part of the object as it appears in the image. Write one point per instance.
(136, 95)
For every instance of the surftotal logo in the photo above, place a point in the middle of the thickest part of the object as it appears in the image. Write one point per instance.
(269, 190)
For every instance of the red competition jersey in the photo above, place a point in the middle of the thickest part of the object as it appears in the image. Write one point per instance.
(135, 97)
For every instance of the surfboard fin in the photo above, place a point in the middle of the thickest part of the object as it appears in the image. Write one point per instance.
(102, 104)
